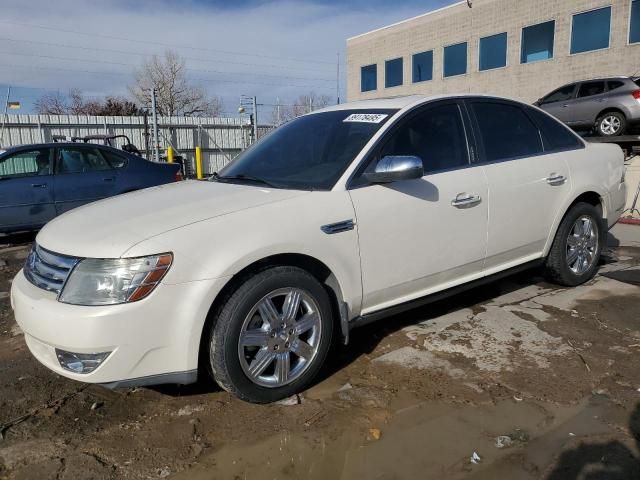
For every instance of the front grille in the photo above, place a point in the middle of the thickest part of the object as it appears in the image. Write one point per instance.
(48, 270)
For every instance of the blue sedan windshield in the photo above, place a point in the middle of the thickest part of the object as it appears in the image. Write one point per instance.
(308, 153)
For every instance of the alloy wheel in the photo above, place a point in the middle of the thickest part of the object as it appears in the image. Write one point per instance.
(610, 125)
(582, 245)
(280, 337)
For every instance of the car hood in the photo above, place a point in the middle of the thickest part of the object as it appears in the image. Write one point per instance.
(108, 228)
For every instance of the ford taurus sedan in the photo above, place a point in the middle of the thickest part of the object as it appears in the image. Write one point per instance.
(39, 182)
(338, 218)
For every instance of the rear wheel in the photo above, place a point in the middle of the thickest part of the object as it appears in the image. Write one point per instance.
(272, 335)
(577, 246)
(611, 124)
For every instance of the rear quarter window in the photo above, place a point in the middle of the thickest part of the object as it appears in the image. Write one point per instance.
(554, 134)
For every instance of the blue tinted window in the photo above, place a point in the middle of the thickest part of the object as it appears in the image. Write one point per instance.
(423, 66)
(368, 78)
(537, 42)
(455, 59)
(393, 73)
(591, 30)
(493, 51)
(634, 28)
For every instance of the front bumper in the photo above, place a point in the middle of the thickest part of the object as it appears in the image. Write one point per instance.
(155, 340)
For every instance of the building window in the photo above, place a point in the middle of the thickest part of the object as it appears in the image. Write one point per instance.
(591, 30)
(634, 26)
(455, 60)
(423, 66)
(393, 72)
(493, 52)
(368, 78)
(537, 42)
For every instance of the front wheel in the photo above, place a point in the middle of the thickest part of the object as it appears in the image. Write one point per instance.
(577, 246)
(611, 124)
(272, 335)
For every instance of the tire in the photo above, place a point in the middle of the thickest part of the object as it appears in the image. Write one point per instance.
(563, 265)
(611, 124)
(254, 371)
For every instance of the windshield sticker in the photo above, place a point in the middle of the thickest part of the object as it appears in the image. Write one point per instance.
(366, 117)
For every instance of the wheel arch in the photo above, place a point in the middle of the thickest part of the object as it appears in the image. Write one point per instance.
(590, 196)
(314, 266)
(609, 110)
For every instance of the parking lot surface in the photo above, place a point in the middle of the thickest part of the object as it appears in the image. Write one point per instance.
(519, 379)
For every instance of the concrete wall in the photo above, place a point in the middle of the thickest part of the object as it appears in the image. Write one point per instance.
(459, 23)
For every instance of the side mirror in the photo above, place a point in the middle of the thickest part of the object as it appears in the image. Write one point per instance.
(537, 103)
(393, 168)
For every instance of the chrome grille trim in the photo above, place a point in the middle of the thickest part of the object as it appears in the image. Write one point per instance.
(48, 270)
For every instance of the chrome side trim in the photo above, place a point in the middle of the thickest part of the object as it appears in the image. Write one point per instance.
(338, 227)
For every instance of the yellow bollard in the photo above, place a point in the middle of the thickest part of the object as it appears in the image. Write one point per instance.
(170, 154)
(198, 163)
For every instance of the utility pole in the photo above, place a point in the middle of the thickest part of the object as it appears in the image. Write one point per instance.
(255, 119)
(4, 116)
(278, 111)
(338, 82)
(156, 144)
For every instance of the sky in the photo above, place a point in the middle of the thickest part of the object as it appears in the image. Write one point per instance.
(271, 49)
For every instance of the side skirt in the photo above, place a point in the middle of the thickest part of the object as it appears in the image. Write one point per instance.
(418, 302)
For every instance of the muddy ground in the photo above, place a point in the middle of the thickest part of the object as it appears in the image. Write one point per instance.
(536, 381)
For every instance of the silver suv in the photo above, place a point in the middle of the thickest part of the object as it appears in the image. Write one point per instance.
(608, 105)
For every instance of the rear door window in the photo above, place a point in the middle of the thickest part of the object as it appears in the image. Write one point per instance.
(26, 163)
(554, 134)
(505, 131)
(80, 160)
(589, 89)
(613, 84)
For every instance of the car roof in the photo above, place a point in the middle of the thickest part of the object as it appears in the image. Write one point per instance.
(402, 102)
(54, 144)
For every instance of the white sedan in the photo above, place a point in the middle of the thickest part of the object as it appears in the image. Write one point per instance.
(338, 218)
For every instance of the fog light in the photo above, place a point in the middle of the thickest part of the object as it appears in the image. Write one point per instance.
(81, 362)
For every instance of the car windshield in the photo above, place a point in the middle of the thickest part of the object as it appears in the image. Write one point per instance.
(308, 153)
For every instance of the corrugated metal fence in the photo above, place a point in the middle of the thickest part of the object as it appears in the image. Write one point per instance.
(221, 139)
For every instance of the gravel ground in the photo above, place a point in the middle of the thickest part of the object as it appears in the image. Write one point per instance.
(518, 379)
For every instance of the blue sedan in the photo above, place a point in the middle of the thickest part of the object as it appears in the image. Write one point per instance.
(40, 182)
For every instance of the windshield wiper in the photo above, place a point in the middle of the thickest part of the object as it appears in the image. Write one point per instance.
(244, 177)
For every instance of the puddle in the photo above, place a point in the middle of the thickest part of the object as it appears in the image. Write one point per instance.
(434, 440)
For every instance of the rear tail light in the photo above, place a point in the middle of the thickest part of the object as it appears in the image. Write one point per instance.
(179, 176)
(636, 95)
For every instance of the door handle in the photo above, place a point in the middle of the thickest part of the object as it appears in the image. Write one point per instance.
(39, 185)
(463, 200)
(565, 106)
(555, 179)
(108, 179)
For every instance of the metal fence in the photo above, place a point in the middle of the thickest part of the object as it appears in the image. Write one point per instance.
(221, 139)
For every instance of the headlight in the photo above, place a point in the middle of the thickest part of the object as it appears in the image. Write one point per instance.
(110, 281)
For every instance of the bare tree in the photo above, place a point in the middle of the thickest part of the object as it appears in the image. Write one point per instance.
(52, 104)
(302, 105)
(175, 94)
(75, 103)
